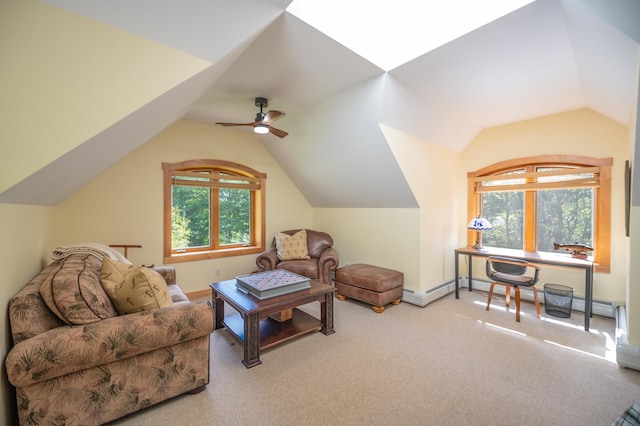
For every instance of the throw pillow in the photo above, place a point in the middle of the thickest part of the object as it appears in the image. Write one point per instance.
(292, 247)
(134, 288)
(73, 291)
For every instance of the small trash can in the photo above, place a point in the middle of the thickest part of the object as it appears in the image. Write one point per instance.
(558, 300)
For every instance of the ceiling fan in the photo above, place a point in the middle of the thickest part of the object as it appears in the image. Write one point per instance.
(262, 122)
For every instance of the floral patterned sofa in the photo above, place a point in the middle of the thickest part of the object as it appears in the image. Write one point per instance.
(83, 362)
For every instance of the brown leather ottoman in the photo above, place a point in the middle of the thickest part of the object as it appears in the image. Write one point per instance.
(370, 284)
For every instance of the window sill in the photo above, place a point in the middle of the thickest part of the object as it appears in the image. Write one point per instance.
(213, 254)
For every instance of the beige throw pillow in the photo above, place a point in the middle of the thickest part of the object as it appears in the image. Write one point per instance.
(134, 288)
(292, 247)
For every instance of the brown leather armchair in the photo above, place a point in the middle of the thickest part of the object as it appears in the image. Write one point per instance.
(324, 258)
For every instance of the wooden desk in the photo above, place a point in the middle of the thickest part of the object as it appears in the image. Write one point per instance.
(538, 258)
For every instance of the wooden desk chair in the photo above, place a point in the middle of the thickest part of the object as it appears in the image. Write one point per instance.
(511, 273)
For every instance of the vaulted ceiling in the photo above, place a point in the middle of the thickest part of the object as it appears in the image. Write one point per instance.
(547, 57)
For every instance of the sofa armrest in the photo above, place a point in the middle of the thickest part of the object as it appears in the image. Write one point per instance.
(267, 260)
(69, 349)
(167, 272)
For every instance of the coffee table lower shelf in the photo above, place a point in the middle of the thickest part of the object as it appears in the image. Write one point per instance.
(273, 332)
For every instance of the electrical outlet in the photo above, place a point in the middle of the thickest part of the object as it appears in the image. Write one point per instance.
(217, 272)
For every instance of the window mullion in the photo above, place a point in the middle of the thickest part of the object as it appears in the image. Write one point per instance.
(215, 218)
(530, 214)
(530, 221)
(252, 215)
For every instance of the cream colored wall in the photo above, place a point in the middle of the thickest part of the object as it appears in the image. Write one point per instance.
(383, 237)
(581, 132)
(26, 235)
(432, 174)
(124, 205)
(64, 53)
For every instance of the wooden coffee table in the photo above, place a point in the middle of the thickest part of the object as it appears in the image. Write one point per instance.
(258, 324)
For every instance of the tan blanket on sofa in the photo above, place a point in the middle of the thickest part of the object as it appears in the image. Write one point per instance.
(94, 249)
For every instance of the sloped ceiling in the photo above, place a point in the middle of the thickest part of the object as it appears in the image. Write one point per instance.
(547, 57)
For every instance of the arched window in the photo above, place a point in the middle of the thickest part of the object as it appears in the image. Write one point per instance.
(534, 202)
(212, 209)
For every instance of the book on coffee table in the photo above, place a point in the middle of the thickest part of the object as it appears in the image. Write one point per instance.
(264, 285)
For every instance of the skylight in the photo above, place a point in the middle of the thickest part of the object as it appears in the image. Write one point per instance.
(391, 33)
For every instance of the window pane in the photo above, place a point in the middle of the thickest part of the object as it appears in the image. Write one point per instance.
(505, 211)
(235, 216)
(190, 225)
(565, 216)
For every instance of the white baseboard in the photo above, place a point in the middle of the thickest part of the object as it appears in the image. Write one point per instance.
(627, 355)
(605, 309)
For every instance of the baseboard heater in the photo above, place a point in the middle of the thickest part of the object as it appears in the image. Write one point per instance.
(432, 294)
(605, 309)
(627, 355)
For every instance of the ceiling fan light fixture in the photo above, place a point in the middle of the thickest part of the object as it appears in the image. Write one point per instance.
(261, 129)
(263, 120)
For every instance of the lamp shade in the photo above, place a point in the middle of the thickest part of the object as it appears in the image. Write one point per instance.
(479, 224)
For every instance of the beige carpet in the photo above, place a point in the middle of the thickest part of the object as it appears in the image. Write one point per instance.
(449, 363)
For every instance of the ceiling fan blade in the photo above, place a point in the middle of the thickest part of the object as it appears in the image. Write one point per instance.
(238, 124)
(278, 132)
(271, 116)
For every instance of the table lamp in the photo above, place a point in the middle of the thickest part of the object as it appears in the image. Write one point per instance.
(479, 224)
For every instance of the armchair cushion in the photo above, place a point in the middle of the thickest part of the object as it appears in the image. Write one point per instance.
(134, 288)
(73, 291)
(307, 268)
(292, 247)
